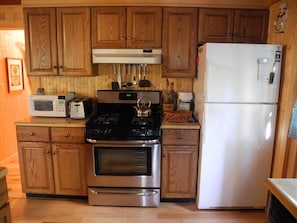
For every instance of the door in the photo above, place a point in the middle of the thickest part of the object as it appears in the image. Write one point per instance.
(215, 25)
(109, 27)
(36, 167)
(74, 41)
(250, 26)
(41, 41)
(241, 72)
(69, 169)
(179, 42)
(235, 155)
(179, 171)
(144, 27)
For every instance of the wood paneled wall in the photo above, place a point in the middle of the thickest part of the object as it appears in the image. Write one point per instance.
(11, 17)
(285, 156)
(87, 86)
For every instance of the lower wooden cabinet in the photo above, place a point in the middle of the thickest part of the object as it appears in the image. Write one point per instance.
(179, 163)
(55, 166)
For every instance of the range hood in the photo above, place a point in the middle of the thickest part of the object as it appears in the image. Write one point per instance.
(127, 56)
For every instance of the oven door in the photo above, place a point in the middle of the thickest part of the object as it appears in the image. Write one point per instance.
(126, 164)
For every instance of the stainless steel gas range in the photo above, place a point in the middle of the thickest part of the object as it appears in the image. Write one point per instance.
(124, 152)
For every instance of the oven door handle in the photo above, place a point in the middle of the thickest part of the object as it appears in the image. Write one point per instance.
(139, 193)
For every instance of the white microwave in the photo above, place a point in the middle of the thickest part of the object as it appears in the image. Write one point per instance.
(50, 105)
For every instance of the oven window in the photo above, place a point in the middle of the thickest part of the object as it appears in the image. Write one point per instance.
(121, 161)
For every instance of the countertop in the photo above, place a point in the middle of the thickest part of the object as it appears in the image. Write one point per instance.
(285, 190)
(51, 122)
(180, 125)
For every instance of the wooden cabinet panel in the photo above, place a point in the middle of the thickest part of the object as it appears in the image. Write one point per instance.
(40, 40)
(215, 25)
(5, 214)
(250, 26)
(74, 41)
(50, 168)
(179, 171)
(232, 25)
(180, 137)
(69, 169)
(144, 27)
(36, 134)
(36, 167)
(179, 163)
(58, 41)
(122, 27)
(3, 192)
(179, 42)
(69, 135)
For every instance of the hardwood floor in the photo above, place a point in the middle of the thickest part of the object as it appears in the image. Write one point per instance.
(35, 210)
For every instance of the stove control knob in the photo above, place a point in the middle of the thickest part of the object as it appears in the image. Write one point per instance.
(149, 132)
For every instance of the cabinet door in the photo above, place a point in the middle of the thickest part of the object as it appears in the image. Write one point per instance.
(215, 25)
(109, 27)
(40, 40)
(36, 167)
(74, 41)
(144, 27)
(250, 26)
(69, 169)
(179, 171)
(5, 214)
(179, 42)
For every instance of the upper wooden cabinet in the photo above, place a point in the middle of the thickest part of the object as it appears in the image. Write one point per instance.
(58, 41)
(126, 27)
(232, 25)
(179, 42)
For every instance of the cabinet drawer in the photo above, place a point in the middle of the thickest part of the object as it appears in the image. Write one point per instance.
(69, 135)
(180, 137)
(33, 134)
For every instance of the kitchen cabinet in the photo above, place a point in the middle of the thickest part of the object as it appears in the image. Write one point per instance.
(179, 42)
(52, 160)
(179, 163)
(232, 25)
(5, 214)
(58, 41)
(126, 27)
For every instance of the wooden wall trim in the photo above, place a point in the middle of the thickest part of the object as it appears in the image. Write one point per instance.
(185, 3)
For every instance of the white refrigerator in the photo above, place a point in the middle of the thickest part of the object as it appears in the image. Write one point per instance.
(236, 94)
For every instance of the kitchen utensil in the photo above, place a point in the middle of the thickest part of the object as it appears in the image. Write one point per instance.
(143, 107)
(129, 83)
(119, 75)
(134, 74)
(114, 83)
(144, 82)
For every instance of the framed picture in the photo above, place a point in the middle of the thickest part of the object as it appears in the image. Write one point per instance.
(15, 74)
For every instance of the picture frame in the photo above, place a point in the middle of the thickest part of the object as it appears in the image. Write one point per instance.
(15, 74)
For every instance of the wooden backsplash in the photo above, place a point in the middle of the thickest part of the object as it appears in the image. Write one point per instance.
(87, 86)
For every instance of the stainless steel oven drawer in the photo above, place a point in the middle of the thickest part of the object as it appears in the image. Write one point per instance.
(124, 197)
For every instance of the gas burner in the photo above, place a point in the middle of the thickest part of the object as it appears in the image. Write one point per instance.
(107, 119)
(142, 121)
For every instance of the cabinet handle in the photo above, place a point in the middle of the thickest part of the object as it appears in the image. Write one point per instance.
(54, 153)
(55, 66)
(180, 137)
(123, 37)
(230, 34)
(32, 134)
(129, 38)
(237, 35)
(67, 135)
(47, 152)
(164, 67)
(163, 155)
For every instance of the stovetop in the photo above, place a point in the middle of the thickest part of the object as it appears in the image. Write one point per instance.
(116, 118)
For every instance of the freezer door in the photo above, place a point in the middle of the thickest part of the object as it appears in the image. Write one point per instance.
(242, 72)
(235, 155)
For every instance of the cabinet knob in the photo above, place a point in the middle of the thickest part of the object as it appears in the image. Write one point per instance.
(180, 137)
(47, 152)
(163, 155)
(230, 34)
(129, 38)
(67, 135)
(55, 66)
(164, 67)
(32, 134)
